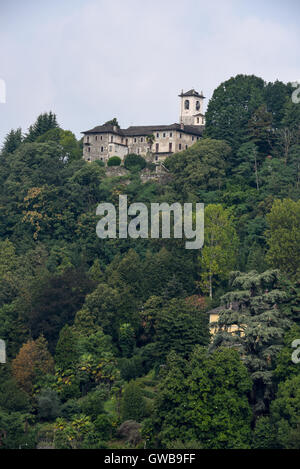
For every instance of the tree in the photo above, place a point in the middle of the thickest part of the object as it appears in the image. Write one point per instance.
(54, 301)
(218, 256)
(126, 339)
(32, 361)
(113, 121)
(283, 236)
(179, 326)
(43, 124)
(285, 368)
(134, 162)
(12, 141)
(66, 354)
(285, 411)
(48, 404)
(133, 406)
(253, 308)
(260, 129)
(66, 140)
(200, 167)
(203, 399)
(231, 107)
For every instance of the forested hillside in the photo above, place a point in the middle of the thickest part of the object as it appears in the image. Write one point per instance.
(108, 341)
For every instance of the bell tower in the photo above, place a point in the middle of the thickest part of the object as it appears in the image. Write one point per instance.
(191, 108)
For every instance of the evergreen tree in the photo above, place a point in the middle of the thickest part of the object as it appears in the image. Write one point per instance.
(66, 353)
(43, 124)
(253, 308)
(12, 141)
(133, 406)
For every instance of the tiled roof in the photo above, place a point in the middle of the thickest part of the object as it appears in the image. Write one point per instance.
(144, 130)
(192, 93)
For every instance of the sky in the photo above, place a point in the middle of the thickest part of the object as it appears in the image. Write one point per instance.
(91, 60)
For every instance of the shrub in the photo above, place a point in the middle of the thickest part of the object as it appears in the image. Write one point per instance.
(99, 163)
(92, 404)
(133, 405)
(134, 162)
(130, 430)
(131, 368)
(48, 404)
(103, 427)
(114, 161)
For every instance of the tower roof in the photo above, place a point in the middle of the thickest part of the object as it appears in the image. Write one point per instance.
(191, 93)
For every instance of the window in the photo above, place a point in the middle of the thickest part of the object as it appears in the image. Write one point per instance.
(110, 147)
(179, 146)
(142, 139)
(157, 147)
(171, 135)
(186, 104)
(170, 147)
(134, 140)
(111, 138)
(192, 138)
(87, 138)
(157, 135)
(180, 135)
(164, 135)
(96, 138)
(100, 137)
(89, 149)
(198, 120)
(101, 148)
(186, 147)
(197, 106)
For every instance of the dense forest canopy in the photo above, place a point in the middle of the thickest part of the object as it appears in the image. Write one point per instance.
(108, 341)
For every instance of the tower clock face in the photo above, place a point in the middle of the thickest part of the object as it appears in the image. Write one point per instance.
(197, 105)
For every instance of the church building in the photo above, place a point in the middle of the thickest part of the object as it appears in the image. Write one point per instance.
(154, 141)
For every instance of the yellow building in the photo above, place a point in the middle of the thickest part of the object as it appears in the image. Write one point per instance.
(214, 317)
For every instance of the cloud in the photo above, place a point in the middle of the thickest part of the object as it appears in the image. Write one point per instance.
(89, 61)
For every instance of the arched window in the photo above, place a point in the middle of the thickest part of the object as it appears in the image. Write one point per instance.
(186, 104)
(197, 105)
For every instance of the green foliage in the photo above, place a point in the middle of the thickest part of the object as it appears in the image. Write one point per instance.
(219, 254)
(204, 399)
(133, 405)
(92, 404)
(43, 124)
(202, 166)
(48, 404)
(285, 413)
(253, 309)
(103, 427)
(66, 353)
(134, 162)
(179, 327)
(126, 339)
(112, 310)
(12, 141)
(114, 161)
(283, 236)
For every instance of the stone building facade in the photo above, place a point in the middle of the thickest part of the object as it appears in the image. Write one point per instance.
(155, 142)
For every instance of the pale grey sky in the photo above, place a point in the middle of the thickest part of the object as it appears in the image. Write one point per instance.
(91, 60)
